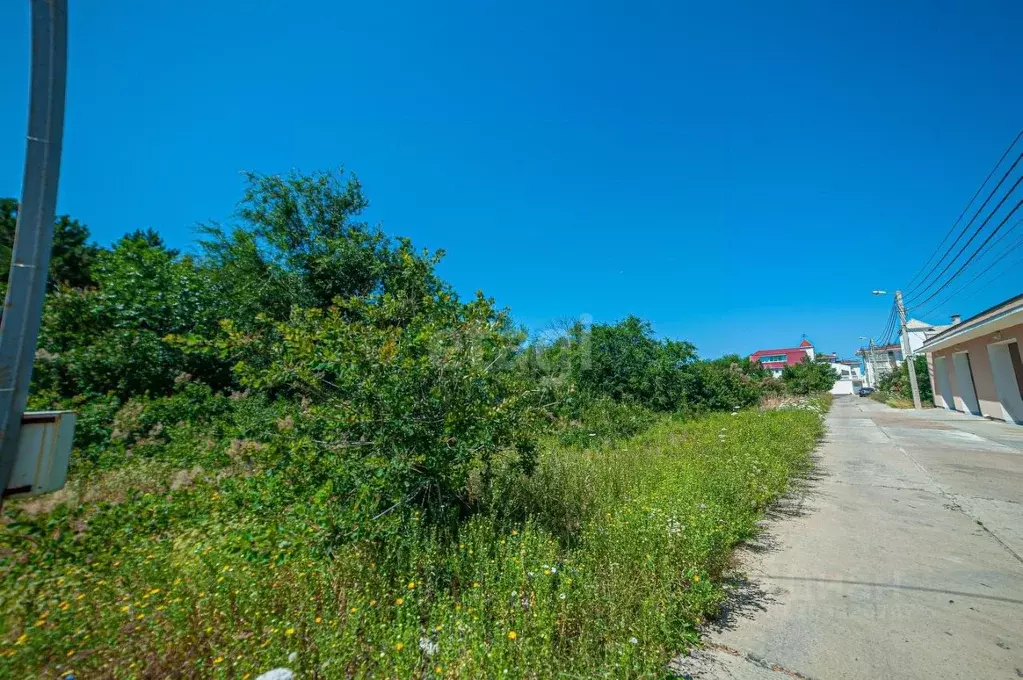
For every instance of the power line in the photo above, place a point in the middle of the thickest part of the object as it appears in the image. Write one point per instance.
(966, 228)
(1009, 251)
(888, 326)
(963, 213)
(990, 236)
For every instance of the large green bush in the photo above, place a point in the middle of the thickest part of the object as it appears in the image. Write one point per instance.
(809, 377)
(896, 383)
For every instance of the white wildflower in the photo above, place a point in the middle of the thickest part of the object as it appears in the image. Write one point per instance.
(429, 647)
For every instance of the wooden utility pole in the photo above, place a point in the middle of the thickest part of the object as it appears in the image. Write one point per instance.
(907, 351)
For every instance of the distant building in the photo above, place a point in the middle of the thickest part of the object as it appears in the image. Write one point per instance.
(918, 332)
(775, 360)
(850, 375)
(879, 361)
(850, 378)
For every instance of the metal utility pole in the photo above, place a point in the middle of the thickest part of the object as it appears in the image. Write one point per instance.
(907, 351)
(30, 257)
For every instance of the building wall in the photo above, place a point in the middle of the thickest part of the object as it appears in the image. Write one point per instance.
(980, 364)
(844, 386)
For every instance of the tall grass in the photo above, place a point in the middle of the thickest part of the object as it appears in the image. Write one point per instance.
(602, 563)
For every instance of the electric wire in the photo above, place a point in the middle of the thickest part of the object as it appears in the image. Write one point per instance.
(920, 291)
(966, 209)
(1018, 242)
(974, 255)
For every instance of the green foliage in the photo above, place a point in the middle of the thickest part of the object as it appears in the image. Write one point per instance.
(809, 377)
(398, 409)
(730, 382)
(304, 441)
(213, 578)
(110, 339)
(625, 363)
(600, 421)
(299, 243)
(71, 256)
(896, 383)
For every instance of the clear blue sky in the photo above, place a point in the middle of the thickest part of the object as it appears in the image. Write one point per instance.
(739, 174)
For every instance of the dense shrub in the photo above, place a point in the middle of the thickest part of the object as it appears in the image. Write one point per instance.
(809, 377)
(110, 339)
(397, 408)
(896, 383)
(730, 382)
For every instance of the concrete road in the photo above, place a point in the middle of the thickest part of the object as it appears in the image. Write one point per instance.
(903, 558)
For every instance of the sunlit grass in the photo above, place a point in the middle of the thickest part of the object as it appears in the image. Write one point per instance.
(603, 563)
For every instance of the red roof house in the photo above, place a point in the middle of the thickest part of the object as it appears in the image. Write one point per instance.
(777, 359)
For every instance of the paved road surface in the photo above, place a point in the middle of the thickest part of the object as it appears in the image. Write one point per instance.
(904, 559)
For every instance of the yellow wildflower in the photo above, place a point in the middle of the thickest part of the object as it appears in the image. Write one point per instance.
(319, 619)
(512, 635)
(400, 600)
(411, 585)
(290, 631)
(399, 646)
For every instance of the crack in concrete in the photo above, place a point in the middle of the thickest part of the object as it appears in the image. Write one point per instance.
(954, 501)
(754, 659)
(885, 486)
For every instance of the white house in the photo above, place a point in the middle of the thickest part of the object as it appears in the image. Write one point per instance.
(918, 333)
(850, 376)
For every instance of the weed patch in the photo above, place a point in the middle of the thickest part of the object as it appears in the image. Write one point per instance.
(602, 563)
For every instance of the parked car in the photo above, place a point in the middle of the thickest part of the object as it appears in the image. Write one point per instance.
(866, 391)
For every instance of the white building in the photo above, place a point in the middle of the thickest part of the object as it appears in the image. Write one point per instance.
(879, 360)
(850, 376)
(918, 333)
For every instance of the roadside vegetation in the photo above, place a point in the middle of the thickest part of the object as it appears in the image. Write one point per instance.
(300, 447)
(894, 389)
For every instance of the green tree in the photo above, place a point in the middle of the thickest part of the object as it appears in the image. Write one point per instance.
(809, 377)
(111, 338)
(726, 383)
(897, 382)
(300, 242)
(395, 410)
(71, 257)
